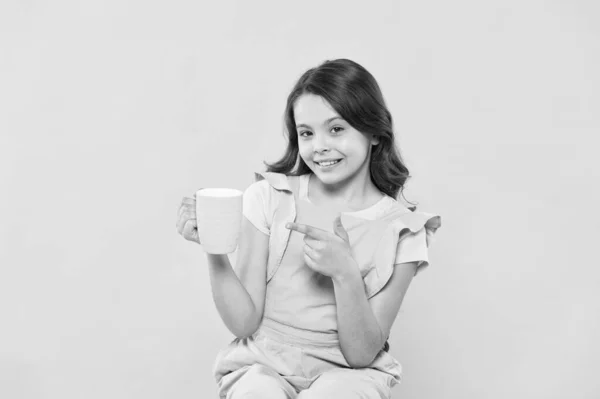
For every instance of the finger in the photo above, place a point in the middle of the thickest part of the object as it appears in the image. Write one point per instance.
(309, 251)
(187, 208)
(188, 201)
(180, 224)
(190, 231)
(311, 231)
(188, 214)
(183, 220)
(308, 260)
(312, 242)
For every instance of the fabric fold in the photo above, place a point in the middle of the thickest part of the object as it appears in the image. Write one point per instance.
(400, 227)
(399, 224)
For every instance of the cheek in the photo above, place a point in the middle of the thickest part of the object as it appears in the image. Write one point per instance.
(304, 151)
(347, 147)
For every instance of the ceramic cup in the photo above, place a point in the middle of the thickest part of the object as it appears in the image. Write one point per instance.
(219, 219)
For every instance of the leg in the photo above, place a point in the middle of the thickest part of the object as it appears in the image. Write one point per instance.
(349, 384)
(260, 382)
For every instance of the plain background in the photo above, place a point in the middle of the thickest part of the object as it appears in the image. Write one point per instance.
(112, 111)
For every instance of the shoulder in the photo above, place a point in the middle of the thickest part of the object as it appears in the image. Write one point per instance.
(269, 187)
(402, 217)
(261, 188)
(406, 238)
(279, 182)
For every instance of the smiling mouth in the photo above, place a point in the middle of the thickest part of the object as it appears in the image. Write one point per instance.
(328, 165)
(335, 161)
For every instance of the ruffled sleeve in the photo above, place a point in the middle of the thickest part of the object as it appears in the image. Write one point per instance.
(406, 239)
(257, 205)
(413, 245)
(260, 200)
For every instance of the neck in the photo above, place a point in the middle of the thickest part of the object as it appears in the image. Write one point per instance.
(356, 190)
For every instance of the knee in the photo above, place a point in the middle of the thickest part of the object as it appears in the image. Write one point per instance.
(259, 382)
(346, 383)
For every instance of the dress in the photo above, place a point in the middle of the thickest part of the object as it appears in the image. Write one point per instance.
(296, 344)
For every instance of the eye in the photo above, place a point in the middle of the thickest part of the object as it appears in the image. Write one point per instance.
(333, 128)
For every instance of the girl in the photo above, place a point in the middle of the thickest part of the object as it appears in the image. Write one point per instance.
(326, 252)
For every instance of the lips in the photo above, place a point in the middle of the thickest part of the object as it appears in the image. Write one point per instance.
(329, 166)
(328, 160)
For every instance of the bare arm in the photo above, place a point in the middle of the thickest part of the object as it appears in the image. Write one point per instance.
(363, 324)
(240, 295)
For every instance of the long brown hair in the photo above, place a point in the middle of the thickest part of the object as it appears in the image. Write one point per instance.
(355, 95)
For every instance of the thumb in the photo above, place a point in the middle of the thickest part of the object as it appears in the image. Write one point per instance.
(339, 229)
(190, 231)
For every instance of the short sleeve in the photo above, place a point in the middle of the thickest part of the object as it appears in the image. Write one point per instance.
(257, 205)
(406, 239)
(413, 248)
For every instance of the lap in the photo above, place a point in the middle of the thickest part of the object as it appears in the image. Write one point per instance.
(259, 382)
(349, 383)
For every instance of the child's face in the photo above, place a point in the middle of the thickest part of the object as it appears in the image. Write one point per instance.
(320, 138)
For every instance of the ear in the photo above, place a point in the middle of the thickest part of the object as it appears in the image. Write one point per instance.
(374, 140)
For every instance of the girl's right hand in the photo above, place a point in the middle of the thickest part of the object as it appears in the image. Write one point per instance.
(186, 223)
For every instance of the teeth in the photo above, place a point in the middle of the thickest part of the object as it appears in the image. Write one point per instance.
(327, 163)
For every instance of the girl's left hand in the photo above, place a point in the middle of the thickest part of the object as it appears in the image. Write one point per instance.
(324, 252)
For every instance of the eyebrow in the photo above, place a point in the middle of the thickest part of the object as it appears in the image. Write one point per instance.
(324, 123)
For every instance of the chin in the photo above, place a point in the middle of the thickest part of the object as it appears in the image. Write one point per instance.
(329, 176)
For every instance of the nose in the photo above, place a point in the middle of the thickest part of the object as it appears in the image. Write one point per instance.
(321, 143)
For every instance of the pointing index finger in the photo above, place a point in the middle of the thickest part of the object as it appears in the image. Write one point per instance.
(188, 200)
(310, 231)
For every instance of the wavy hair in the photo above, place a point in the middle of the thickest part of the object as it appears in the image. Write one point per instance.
(355, 95)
